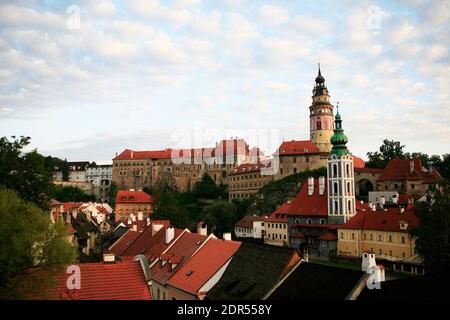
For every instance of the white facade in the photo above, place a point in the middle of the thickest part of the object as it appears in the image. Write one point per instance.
(98, 173)
(341, 188)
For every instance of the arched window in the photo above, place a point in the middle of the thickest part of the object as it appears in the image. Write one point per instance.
(348, 169)
(309, 221)
(335, 170)
(319, 124)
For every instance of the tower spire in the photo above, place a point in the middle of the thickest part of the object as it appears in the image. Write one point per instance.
(339, 139)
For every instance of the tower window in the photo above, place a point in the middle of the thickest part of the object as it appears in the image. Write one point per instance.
(336, 207)
(335, 188)
(334, 170)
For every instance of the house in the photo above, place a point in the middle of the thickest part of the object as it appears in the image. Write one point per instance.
(172, 259)
(407, 176)
(276, 226)
(250, 227)
(202, 271)
(310, 281)
(384, 232)
(133, 202)
(97, 281)
(254, 271)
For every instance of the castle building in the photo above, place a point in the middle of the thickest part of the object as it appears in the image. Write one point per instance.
(321, 115)
(341, 179)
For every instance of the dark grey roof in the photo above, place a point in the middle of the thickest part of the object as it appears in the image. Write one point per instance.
(254, 270)
(411, 288)
(310, 281)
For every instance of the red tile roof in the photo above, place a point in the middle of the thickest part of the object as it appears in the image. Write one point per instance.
(203, 265)
(297, 147)
(123, 243)
(358, 162)
(362, 206)
(249, 168)
(68, 206)
(247, 221)
(383, 220)
(232, 147)
(148, 244)
(183, 247)
(126, 196)
(100, 281)
(310, 205)
(399, 169)
(128, 154)
(328, 237)
(280, 214)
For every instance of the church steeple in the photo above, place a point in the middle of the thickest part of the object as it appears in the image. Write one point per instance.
(339, 139)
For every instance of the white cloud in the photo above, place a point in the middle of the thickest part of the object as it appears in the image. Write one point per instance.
(282, 51)
(271, 14)
(311, 25)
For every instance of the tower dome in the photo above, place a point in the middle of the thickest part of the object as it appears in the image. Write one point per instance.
(339, 139)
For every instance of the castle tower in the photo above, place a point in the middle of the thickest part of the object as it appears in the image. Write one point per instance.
(341, 180)
(321, 115)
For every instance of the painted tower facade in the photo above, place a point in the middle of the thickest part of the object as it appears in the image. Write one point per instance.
(321, 115)
(341, 180)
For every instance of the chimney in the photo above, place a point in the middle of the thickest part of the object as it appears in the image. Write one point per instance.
(148, 221)
(374, 207)
(394, 199)
(321, 185)
(202, 228)
(382, 202)
(411, 166)
(156, 227)
(109, 258)
(140, 216)
(132, 153)
(170, 234)
(310, 186)
(227, 236)
(402, 210)
(135, 227)
(133, 217)
(131, 189)
(289, 200)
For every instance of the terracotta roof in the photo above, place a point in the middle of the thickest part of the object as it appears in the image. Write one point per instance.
(126, 196)
(183, 247)
(247, 221)
(68, 206)
(358, 162)
(297, 147)
(249, 168)
(123, 243)
(280, 214)
(383, 220)
(148, 244)
(203, 265)
(310, 205)
(100, 281)
(362, 206)
(128, 154)
(400, 169)
(328, 237)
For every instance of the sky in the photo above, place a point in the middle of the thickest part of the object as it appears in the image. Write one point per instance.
(88, 79)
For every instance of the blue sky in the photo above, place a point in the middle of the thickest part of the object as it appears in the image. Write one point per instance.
(148, 74)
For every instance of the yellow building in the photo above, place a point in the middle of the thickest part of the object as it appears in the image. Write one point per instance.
(247, 179)
(385, 233)
(277, 227)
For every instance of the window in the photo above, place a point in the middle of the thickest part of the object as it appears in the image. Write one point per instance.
(335, 188)
(403, 239)
(380, 252)
(308, 221)
(322, 221)
(353, 236)
(390, 240)
(371, 238)
(342, 235)
(390, 253)
(379, 237)
(335, 170)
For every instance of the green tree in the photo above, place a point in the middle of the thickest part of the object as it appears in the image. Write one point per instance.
(166, 206)
(442, 164)
(206, 188)
(112, 194)
(69, 194)
(24, 172)
(220, 217)
(433, 233)
(28, 240)
(389, 150)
